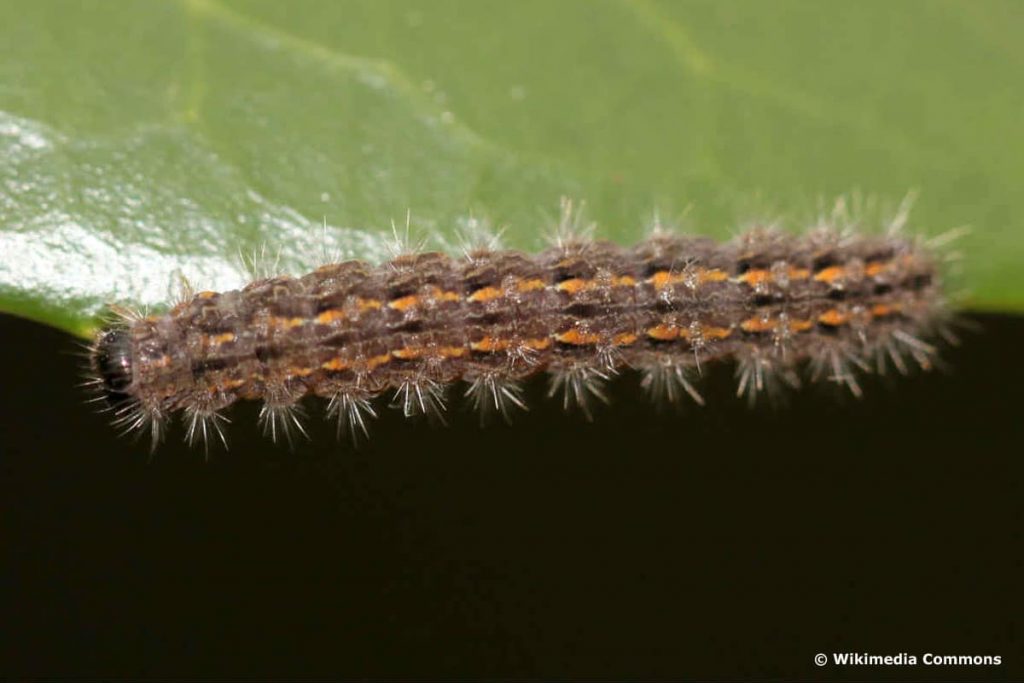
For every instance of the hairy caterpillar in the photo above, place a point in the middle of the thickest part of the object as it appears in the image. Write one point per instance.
(827, 303)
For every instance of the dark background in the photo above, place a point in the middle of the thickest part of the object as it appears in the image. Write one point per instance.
(721, 543)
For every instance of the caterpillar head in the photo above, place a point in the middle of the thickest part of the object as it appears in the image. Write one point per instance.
(112, 365)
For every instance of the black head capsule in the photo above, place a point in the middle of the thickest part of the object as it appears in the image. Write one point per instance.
(112, 362)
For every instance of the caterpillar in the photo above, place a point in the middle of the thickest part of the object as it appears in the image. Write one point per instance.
(824, 305)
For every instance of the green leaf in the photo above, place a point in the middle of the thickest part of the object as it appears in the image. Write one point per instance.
(146, 142)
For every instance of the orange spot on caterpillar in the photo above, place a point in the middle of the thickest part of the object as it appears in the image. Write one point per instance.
(404, 303)
(874, 268)
(711, 275)
(758, 324)
(206, 295)
(415, 352)
(222, 338)
(882, 310)
(286, 323)
(800, 325)
(663, 332)
(300, 372)
(524, 286)
(577, 338)
(663, 279)
(485, 294)
(706, 332)
(330, 316)
(625, 339)
(367, 305)
(489, 345)
(490, 293)
(368, 364)
(408, 353)
(376, 361)
(233, 383)
(434, 293)
(575, 285)
(335, 364)
(759, 276)
(581, 285)
(492, 344)
(755, 277)
(830, 274)
(833, 318)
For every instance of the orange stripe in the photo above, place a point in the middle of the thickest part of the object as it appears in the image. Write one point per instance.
(330, 316)
(452, 351)
(758, 325)
(287, 323)
(711, 275)
(415, 352)
(403, 303)
(492, 344)
(881, 310)
(875, 268)
(338, 363)
(489, 345)
(577, 338)
(755, 277)
(372, 363)
(435, 293)
(663, 332)
(625, 339)
(663, 279)
(367, 305)
(830, 274)
(537, 344)
(833, 317)
(575, 285)
(711, 332)
(524, 286)
(763, 275)
(485, 294)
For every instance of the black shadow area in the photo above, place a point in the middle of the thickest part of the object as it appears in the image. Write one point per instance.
(720, 543)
